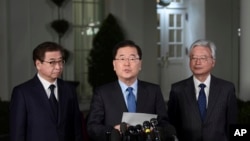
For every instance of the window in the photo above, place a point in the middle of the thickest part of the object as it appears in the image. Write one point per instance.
(171, 20)
(87, 17)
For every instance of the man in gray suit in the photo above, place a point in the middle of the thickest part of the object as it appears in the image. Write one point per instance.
(110, 100)
(202, 106)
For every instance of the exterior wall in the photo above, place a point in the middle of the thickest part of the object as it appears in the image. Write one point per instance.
(25, 25)
(222, 23)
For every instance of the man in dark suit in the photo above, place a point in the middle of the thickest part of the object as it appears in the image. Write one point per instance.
(202, 112)
(45, 108)
(110, 100)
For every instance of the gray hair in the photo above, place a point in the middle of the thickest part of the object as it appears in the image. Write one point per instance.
(204, 43)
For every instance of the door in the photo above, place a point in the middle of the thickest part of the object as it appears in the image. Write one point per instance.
(173, 50)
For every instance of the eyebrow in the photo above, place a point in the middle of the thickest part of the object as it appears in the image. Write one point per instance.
(53, 59)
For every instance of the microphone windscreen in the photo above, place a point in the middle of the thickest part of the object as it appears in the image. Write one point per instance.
(123, 127)
(115, 135)
(146, 125)
(154, 122)
(138, 128)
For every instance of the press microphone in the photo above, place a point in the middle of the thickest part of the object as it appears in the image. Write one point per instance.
(123, 129)
(115, 135)
(132, 134)
(154, 123)
(146, 125)
(140, 133)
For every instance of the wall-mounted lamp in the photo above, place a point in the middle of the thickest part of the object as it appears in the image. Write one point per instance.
(164, 2)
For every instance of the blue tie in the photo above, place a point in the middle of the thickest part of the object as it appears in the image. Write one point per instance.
(131, 100)
(202, 101)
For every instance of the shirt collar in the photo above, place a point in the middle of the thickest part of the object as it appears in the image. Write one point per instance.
(206, 82)
(124, 86)
(46, 83)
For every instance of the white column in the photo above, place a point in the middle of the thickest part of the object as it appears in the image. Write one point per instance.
(244, 86)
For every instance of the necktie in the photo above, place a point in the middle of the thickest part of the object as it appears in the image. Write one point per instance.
(202, 101)
(131, 100)
(53, 101)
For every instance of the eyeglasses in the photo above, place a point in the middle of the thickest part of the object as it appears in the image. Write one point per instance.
(53, 63)
(131, 60)
(202, 59)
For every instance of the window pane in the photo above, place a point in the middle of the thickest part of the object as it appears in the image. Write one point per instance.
(158, 20)
(171, 51)
(171, 36)
(179, 35)
(171, 20)
(178, 20)
(179, 50)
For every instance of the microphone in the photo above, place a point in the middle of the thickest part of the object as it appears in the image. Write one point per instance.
(123, 129)
(132, 136)
(147, 131)
(154, 124)
(115, 135)
(140, 133)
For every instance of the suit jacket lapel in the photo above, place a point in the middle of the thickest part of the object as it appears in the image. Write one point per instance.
(141, 97)
(213, 94)
(191, 97)
(61, 100)
(120, 98)
(42, 97)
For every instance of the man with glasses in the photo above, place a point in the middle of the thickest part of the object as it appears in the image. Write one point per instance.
(45, 108)
(202, 106)
(127, 94)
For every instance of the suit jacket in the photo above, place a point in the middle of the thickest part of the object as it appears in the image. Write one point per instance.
(32, 119)
(108, 105)
(184, 112)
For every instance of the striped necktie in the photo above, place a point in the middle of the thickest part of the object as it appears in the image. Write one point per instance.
(202, 101)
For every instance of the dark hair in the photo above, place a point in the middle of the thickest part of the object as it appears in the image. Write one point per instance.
(126, 43)
(41, 49)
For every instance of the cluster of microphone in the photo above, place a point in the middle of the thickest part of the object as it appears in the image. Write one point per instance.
(148, 131)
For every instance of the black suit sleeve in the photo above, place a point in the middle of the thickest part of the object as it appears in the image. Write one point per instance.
(17, 116)
(95, 120)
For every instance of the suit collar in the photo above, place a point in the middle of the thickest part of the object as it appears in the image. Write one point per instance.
(213, 96)
(117, 95)
(212, 99)
(39, 92)
(190, 95)
(143, 96)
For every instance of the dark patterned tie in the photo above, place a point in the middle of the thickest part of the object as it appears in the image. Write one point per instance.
(202, 101)
(53, 101)
(131, 100)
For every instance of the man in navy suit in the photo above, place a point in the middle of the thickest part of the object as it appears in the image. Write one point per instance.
(210, 123)
(110, 100)
(32, 116)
